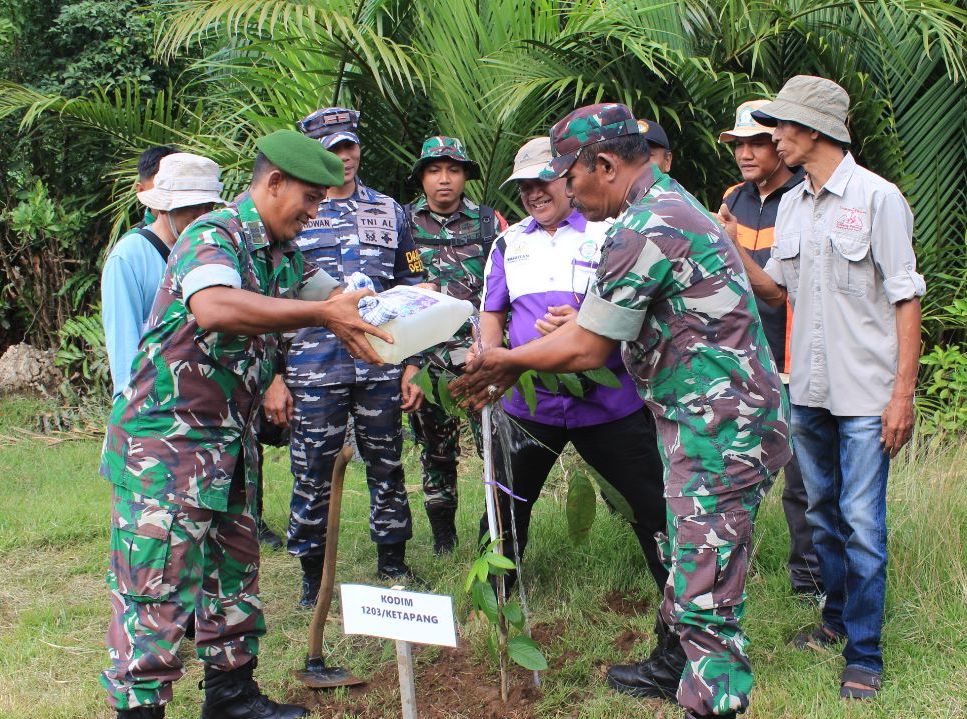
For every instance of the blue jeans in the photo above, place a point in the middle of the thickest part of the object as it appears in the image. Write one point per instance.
(845, 469)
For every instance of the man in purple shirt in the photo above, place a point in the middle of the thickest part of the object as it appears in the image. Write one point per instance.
(537, 275)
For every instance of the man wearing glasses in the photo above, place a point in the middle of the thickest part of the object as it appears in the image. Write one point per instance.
(538, 273)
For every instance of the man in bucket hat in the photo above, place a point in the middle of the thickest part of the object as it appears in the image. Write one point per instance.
(748, 214)
(180, 449)
(537, 275)
(357, 230)
(844, 258)
(454, 236)
(671, 291)
(133, 269)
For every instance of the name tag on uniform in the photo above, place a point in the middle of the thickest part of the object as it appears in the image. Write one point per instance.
(319, 223)
(377, 227)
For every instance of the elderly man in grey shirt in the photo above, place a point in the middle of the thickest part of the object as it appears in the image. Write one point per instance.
(843, 256)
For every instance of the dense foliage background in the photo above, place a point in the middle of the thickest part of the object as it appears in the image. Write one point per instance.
(86, 85)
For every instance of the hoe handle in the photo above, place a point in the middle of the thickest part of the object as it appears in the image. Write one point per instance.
(321, 612)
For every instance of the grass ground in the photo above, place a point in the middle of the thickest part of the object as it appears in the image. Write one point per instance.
(588, 602)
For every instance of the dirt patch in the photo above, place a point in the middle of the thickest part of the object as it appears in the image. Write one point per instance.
(628, 640)
(453, 686)
(450, 684)
(627, 605)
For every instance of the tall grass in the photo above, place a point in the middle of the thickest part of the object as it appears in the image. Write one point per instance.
(54, 514)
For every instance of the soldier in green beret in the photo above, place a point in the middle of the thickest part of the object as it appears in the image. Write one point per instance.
(181, 451)
(454, 236)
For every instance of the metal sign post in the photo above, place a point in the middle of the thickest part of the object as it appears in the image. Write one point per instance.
(404, 663)
(407, 618)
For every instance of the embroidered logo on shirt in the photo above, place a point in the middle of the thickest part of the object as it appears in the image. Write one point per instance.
(587, 250)
(517, 251)
(851, 219)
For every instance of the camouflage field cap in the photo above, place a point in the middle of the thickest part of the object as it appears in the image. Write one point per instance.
(440, 147)
(331, 125)
(586, 126)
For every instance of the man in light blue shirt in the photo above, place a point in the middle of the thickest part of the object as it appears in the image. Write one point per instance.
(185, 187)
(130, 280)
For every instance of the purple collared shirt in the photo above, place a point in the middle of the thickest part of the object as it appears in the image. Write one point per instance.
(528, 271)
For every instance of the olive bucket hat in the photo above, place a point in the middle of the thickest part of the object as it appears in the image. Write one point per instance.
(815, 102)
(440, 147)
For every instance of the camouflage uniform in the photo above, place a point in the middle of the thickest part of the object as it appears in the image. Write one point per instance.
(182, 454)
(671, 287)
(366, 232)
(454, 251)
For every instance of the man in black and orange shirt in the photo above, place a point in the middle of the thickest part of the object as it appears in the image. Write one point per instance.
(748, 214)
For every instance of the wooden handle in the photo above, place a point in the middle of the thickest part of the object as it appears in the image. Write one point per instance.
(321, 612)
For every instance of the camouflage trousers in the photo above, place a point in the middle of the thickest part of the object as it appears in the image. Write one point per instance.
(169, 562)
(706, 550)
(318, 433)
(438, 435)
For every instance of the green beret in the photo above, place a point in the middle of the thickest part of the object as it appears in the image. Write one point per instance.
(302, 158)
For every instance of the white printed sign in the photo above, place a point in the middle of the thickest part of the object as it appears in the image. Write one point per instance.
(397, 614)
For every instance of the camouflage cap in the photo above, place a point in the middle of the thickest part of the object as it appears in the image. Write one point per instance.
(302, 158)
(586, 126)
(440, 147)
(331, 125)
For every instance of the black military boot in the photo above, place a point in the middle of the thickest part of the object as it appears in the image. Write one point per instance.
(693, 715)
(268, 538)
(311, 579)
(236, 695)
(391, 563)
(658, 676)
(664, 638)
(443, 523)
(143, 712)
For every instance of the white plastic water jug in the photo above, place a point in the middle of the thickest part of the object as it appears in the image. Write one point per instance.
(424, 318)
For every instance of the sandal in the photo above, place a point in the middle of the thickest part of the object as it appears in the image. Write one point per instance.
(865, 684)
(818, 639)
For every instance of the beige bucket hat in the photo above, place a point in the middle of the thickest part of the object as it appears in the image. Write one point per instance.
(532, 157)
(745, 124)
(815, 102)
(183, 180)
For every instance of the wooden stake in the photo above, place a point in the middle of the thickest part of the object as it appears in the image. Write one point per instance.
(404, 662)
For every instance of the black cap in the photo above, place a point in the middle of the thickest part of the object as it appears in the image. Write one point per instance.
(653, 133)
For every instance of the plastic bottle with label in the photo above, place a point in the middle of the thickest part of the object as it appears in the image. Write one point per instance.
(423, 318)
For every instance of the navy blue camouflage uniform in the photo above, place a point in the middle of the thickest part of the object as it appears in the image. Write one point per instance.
(369, 233)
